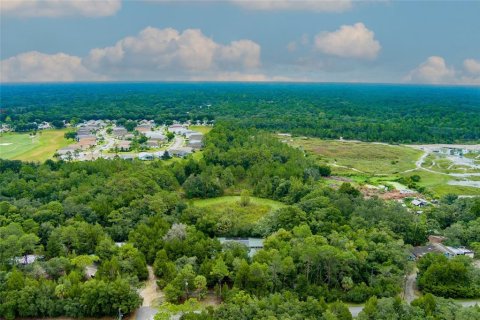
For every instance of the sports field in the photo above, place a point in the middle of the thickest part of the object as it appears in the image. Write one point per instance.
(23, 146)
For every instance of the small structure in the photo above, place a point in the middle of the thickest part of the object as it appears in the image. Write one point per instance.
(253, 244)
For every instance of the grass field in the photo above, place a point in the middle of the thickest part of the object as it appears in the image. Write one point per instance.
(202, 129)
(229, 200)
(376, 163)
(360, 157)
(20, 146)
(242, 219)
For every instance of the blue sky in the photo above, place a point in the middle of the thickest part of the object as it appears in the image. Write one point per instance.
(241, 40)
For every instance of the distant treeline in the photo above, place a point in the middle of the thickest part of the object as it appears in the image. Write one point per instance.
(390, 113)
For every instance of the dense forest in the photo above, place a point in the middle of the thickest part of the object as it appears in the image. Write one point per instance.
(322, 247)
(389, 113)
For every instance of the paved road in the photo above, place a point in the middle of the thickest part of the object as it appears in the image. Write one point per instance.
(145, 313)
(151, 297)
(177, 143)
(355, 310)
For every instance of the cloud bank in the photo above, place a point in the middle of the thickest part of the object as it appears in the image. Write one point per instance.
(153, 54)
(436, 71)
(355, 41)
(39, 67)
(59, 8)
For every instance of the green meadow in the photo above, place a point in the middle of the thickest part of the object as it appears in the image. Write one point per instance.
(22, 146)
(380, 163)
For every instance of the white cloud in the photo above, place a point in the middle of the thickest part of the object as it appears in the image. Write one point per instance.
(39, 67)
(436, 71)
(170, 54)
(306, 5)
(472, 66)
(57, 8)
(433, 70)
(350, 42)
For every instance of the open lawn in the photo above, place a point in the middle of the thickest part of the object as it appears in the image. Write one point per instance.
(21, 146)
(230, 219)
(360, 157)
(202, 129)
(229, 200)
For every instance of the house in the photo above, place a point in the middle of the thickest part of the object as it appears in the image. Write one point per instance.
(420, 251)
(145, 156)
(253, 244)
(180, 152)
(195, 144)
(119, 132)
(156, 135)
(152, 143)
(124, 145)
(177, 129)
(193, 135)
(87, 142)
(143, 128)
(85, 132)
(436, 247)
(68, 149)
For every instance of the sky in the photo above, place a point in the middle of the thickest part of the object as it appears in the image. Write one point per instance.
(382, 41)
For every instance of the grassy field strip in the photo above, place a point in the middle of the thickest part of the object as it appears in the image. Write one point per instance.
(235, 199)
(21, 146)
